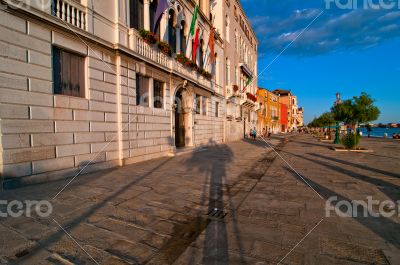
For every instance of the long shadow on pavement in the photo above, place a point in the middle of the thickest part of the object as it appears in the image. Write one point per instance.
(55, 237)
(215, 246)
(381, 226)
(392, 191)
(383, 172)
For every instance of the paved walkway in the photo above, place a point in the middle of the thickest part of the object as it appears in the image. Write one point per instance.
(231, 204)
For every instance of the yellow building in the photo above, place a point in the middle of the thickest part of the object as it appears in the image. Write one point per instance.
(268, 114)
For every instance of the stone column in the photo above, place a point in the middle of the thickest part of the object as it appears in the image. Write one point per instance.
(146, 7)
(188, 108)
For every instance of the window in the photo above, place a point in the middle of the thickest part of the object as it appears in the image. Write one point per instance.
(171, 30)
(197, 103)
(236, 41)
(153, 10)
(183, 37)
(235, 13)
(142, 90)
(227, 28)
(204, 105)
(136, 14)
(227, 74)
(216, 109)
(68, 73)
(236, 75)
(158, 93)
(201, 54)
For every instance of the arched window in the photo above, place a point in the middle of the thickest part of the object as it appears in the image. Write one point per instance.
(183, 37)
(201, 54)
(227, 26)
(171, 29)
(236, 40)
(216, 68)
(236, 75)
(153, 10)
(227, 72)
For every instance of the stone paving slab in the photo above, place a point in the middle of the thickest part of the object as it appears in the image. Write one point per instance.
(155, 212)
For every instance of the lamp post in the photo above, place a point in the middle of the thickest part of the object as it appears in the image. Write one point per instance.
(338, 101)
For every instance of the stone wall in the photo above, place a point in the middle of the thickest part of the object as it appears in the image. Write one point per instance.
(209, 129)
(46, 136)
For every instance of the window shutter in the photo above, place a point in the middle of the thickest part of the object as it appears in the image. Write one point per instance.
(56, 70)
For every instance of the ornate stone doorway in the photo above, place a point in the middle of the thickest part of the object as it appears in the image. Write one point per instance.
(183, 108)
(179, 120)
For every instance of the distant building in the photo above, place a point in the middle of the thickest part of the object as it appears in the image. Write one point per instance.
(300, 118)
(290, 100)
(239, 67)
(269, 112)
(284, 117)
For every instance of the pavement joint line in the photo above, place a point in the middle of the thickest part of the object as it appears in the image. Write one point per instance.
(75, 241)
(292, 168)
(298, 243)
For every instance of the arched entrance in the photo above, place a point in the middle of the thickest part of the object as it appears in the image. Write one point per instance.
(184, 121)
(179, 119)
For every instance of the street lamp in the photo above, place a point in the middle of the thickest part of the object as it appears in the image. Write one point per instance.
(337, 102)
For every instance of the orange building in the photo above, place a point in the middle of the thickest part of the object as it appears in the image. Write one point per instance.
(269, 112)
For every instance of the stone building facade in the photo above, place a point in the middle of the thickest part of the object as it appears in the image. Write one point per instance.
(81, 90)
(240, 67)
(294, 113)
(269, 112)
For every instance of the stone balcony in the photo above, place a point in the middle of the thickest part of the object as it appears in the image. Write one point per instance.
(78, 17)
(71, 12)
(152, 54)
(247, 102)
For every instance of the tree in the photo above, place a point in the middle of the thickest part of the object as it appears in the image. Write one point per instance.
(356, 110)
(325, 119)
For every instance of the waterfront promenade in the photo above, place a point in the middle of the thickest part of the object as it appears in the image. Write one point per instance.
(240, 203)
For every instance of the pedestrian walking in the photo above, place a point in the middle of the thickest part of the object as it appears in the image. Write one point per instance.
(269, 133)
(254, 133)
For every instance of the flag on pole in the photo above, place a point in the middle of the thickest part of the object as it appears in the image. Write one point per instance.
(161, 7)
(247, 83)
(195, 44)
(194, 19)
(211, 45)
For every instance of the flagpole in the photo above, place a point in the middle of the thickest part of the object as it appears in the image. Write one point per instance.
(208, 46)
(190, 33)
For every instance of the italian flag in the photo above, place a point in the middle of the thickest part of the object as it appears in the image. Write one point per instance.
(247, 83)
(194, 19)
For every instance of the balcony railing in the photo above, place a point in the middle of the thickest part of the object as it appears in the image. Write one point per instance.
(137, 44)
(152, 53)
(71, 12)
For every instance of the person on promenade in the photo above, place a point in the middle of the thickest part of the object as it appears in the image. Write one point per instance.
(251, 134)
(254, 133)
(369, 131)
(269, 133)
(264, 132)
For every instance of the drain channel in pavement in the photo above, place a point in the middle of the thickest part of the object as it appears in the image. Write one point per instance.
(216, 214)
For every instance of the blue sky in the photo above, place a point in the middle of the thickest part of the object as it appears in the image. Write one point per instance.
(345, 50)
